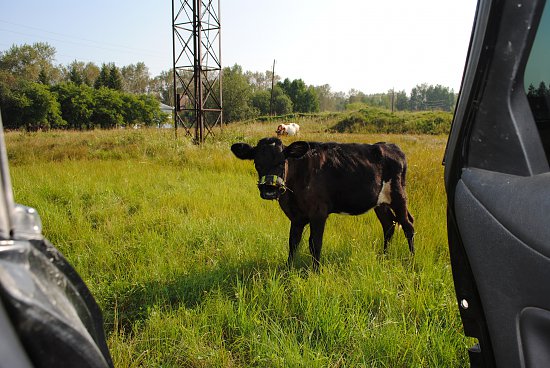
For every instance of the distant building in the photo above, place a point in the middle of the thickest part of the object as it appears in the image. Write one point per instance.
(167, 110)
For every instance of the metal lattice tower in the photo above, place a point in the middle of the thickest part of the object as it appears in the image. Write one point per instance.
(197, 66)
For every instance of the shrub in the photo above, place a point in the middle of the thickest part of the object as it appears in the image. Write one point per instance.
(32, 106)
(375, 120)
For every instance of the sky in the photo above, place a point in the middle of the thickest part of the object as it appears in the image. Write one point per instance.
(537, 69)
(366, 45)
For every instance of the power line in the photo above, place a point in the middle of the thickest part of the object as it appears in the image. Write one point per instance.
(78, 40)
(86, 43)
(82, 44)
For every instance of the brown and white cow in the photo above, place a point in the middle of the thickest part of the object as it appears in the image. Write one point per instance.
(288, 129)
(312, 180)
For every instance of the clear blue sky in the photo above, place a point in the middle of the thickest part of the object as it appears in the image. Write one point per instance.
(370, 46)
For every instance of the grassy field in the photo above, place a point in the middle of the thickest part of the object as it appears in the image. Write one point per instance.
(188, 263)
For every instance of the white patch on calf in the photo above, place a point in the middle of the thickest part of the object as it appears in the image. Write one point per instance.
(385, 193)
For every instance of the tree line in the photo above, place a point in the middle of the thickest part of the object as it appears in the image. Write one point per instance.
(249, 94)
(539, 101)
(36, 94)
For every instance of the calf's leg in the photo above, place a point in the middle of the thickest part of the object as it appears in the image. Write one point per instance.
(317, 228)
(402, 215)
(296, 231)
(410, 237)
(387, 219)
(411, 218)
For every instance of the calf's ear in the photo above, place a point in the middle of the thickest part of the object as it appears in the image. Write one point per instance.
(243, 151)
(296, 150)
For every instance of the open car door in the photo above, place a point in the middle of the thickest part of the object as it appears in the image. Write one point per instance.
(497, 179)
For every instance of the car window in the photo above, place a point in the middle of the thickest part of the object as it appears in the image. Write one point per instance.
(537, 80)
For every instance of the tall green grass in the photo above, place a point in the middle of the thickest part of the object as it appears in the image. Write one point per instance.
(188, 263)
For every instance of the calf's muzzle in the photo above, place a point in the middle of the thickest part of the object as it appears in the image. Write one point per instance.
(271, 187)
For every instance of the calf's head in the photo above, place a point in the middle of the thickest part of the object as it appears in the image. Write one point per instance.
(270, 160)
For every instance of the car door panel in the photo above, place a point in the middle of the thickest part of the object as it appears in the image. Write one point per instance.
(519, 203)
(535, 329)
(497, 179)
(509, 274)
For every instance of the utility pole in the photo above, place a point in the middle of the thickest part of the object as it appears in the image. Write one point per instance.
(197, 67)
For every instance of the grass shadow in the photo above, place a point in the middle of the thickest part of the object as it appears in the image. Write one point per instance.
(128, 304)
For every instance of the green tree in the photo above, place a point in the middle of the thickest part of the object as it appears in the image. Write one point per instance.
(401, 101)
(262, 102)
(12, 103)
(538, 98)
(107, 113)
(140, 109)
(32, 106)
(542, 90)
(161, 87)
(327, 100)
(151, 113)
(308, 101)
(282, 104)
(439, 98)
(77, 104)
(79, 72)
(383, 100)
(417, 101)
(428, 97)
(114, 81)
(103, 77)
(135, 78)
(355, 96)
(75, 74)
(44, 78)
(261, 81)
(30, 62)
(304, 99)
(109, 77)
(131, 109)
(340, 101)
(236, 94)
(90, 72)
